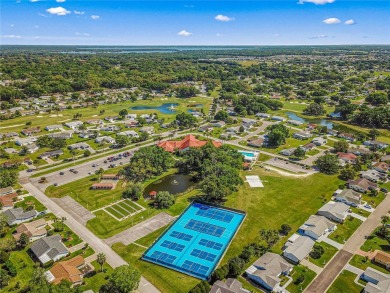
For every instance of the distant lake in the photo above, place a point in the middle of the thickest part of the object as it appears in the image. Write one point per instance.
(167, 108)
(320, 121)
(174, 184)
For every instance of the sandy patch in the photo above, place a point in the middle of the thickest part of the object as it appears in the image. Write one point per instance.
(64, 120)
(15, 125)
(39, 116)
(94, 115)
(53, 116)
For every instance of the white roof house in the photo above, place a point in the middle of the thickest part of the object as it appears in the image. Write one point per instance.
(297, 250)
(129, 133)
(335, 211)
(74, 124)
(53, 127)
(316, 226)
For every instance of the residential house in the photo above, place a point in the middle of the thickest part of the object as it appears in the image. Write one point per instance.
(349, 197)
(131, 116)
(288, 152)
(362, 185)
(318, 141)
(107, 139)
(73, 124)
(381, 167)
(348, 158)
(62, 135)
(30, 131)
(79, 145)
(18, 215)
(49, 248)
(335, 211)
(111, 118)
(72, 270)
(248, 123)
(302, 135)
(230, 286)
(110, 176)
(268, 270)
(375, 143)
(6, 190)
(129, 133)
(278, 118)
(385, 158)
(308, 147)
(187, 142)
(298, 247)
(258, 142)
(131, 124)
(53, 127)
(294, 122)
(102, 186)
(263, 115)
(7, 201)
(51, 154)
(34, 230)
(346, 136)
(32, 148)
(332, 132)
(25, 141)
(11, 134)
(95, 121)
(316, 226)
(218, 124)
(147, 129)
(382, 258)
(359, 151)
(110, 128)
(206, 128)
(377, 282)
(373, 176)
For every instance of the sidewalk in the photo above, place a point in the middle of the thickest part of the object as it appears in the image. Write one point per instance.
(77, 247)
(312, 266)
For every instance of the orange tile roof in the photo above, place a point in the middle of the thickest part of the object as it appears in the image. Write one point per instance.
(68, 270)
(7, 200)
(382, 257)
(189, 141)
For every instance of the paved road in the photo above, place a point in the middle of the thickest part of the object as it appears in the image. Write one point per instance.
(323, 281)
(113, 259)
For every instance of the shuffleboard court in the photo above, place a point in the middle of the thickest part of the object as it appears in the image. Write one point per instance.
(197, 240)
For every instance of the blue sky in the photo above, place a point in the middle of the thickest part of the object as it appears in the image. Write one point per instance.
(271, 22)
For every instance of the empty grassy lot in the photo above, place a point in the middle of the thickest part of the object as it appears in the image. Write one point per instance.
(345, 284)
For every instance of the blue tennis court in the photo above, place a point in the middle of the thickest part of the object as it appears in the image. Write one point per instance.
(196, 241)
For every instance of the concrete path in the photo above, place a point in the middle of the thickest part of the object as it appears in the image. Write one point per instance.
(354, 270)
(312, 266)
(357, 216)
(324, 280)
(113, 259)
(76, 247)
(140, 230)
(332, 243)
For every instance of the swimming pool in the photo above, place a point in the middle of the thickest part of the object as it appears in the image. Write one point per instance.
(249, 156)
(197, 240)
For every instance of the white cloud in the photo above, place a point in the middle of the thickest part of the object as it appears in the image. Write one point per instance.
(331, 20)
(95, 17)
(316, 2)
(184, 33)
(60, 1)
(58, 11)
(36, 26)
(11, 25)
(78, 12)
(10, 37)
(189, 6)
(34, 1)
(350, 22)
(224, 18)
(219, 35)
(41, 14)
(318, 37)
(82, 34)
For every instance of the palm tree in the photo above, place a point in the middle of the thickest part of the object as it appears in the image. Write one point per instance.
(101, 259)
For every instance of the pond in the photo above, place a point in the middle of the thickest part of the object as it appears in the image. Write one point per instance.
(320, 121)
(166, 108)
(174, 184)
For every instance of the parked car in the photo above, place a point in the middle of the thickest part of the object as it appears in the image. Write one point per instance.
(367, 206)
(384, 190)
(62, 173)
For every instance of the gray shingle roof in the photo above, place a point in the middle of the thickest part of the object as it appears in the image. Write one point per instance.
(50, 245)
(18, 214)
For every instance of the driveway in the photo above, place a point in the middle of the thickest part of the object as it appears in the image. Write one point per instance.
(113, 259)
(332, 242)
(140, 230)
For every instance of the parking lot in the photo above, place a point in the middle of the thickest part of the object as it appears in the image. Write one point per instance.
(286, 165)
(79, 171)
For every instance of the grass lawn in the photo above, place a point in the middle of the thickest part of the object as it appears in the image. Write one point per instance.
(164, 279)
(25, 268)
(361, 263)
(299, 270)
(345, 284)
(290, 143)
(330, 251)
(375, 243)
(345, 230)
(361, 212)
(30, 200)
(94, 282)
(374, 200)
(150, 238)
(267, 206)
(73, 238)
